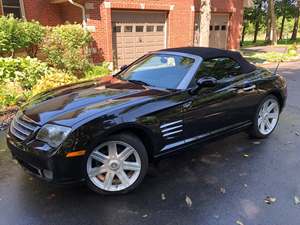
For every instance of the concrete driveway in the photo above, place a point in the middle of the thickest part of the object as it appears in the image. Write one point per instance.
(225, 182)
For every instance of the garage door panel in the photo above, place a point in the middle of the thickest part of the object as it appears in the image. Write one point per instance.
(219, 31)
(146, 33)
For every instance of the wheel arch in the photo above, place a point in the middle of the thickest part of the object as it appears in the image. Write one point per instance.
(279, 96)
(144, 134)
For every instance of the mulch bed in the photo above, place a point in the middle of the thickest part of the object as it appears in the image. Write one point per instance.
(6, 116)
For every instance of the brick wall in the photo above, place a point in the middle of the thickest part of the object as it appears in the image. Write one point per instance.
(181, 16)
(70, 13)
(43, 11)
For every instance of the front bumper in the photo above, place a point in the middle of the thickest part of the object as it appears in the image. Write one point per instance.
(52, 168)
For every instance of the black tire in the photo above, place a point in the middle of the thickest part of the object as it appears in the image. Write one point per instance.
(254, 131)
(137, 144)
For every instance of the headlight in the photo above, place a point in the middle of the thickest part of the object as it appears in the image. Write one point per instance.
(53, 135)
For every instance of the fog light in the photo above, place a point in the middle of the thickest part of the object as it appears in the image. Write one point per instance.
(48, 174)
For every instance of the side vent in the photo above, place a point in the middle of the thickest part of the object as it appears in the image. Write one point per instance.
(172, 130)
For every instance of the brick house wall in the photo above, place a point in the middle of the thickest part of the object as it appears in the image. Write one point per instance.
(41, 10)
(180, 19)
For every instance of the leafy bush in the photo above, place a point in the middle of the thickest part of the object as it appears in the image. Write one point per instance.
(27, 71)
(11, 93)
(292, 50)
(53, 80)
(65, 47)
(19, 34)
(97, 71)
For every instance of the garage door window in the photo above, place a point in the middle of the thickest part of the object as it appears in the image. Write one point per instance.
(128, 29)
(139, 28)
(160, 29)
(117, 29)
(150, 28)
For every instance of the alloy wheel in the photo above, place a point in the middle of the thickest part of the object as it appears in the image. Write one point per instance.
(114, 166)
(268, 116)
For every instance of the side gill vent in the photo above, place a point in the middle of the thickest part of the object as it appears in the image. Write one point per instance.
(172, 130)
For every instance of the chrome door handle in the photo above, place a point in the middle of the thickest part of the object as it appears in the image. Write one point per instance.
(250, 88)
(187, 105)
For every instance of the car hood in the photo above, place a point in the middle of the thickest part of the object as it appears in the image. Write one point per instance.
(70, 104)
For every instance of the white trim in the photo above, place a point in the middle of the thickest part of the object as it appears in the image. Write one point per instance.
(23, 14)
(166, 31)
(84, 22)
(107, 5)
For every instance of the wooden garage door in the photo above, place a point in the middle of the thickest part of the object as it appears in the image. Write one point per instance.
(219, 31)
(135, 33)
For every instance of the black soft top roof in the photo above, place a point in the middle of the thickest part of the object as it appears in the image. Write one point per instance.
(210, 53)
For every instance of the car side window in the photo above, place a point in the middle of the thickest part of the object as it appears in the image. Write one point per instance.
(219, 68)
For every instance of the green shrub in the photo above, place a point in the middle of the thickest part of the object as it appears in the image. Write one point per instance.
(292, 50)
(27, 71)
(53, 80)
(97, 71)
(65, 47)
(19, 34)
(11, 93)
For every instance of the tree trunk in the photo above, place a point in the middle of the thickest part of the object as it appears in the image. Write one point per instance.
(268, 31)
(283, 13)
(296, 23)
(205, 18)
(272, 31)
(243, 34)
(257, 21)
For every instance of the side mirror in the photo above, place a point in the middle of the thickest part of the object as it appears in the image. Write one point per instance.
(123, 67)
(206, 82)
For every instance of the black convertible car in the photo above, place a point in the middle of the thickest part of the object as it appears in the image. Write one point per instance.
(106, 131)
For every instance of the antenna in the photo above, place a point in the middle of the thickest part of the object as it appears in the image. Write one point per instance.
(285, 51)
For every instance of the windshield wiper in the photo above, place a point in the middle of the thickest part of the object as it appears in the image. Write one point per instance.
(139, 82)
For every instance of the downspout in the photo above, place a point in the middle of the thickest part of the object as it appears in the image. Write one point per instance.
(83, 12)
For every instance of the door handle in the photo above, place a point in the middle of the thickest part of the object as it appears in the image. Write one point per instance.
(187, 105)
(250, 88)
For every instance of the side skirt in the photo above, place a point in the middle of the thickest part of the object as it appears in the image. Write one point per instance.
(232, 129)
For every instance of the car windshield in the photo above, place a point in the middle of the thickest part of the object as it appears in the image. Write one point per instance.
(158, 70)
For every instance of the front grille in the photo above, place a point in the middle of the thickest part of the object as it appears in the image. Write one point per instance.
(21, 128)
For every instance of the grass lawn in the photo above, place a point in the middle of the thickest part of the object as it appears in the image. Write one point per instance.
(261, 41)
(269, 57)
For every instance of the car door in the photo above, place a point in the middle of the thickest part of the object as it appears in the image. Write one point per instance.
(215, 109)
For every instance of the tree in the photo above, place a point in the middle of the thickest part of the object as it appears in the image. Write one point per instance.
(271, 35)
(257, 19)
(205, 18)
(296, 23)
(283, 13)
